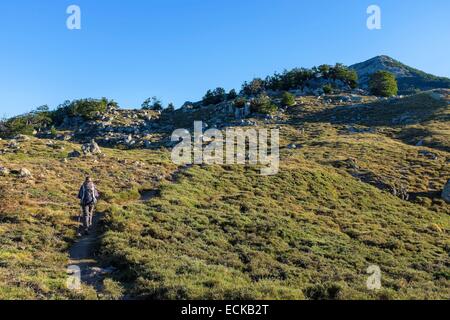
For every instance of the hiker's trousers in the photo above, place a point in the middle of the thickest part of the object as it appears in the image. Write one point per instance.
(88, 212)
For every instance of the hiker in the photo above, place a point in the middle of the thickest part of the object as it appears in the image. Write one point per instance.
(88, 196)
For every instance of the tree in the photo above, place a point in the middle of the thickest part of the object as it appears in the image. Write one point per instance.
(327, 89)
(153, 104)
(346, 75)
(263, 104)
(88, 108)
(43, 108)
(215, 96)
(287, 99)
(170, 107)
(240, 102)
(324, 69)
(232, 95)
(256, 86)
(383, 84)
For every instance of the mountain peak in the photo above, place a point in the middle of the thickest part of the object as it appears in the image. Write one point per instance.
(408, 77)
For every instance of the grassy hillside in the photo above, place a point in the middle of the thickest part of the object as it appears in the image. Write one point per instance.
(38, 215)
(228, 233)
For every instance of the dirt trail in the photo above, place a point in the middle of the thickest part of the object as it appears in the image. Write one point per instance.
(82, 255)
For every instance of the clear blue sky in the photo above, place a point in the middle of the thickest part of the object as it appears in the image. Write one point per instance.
(177, 49)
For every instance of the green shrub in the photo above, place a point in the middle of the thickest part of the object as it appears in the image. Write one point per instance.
(152, 103)
(327, 291)
(327, 89)
(53, 131)
(383, 84)
(263, 104)
(112, 290)
(346, 75)
(26, 124)
(170, 107)
(87, 109)
(255, 87)
(240, 102)
(215, 96)
(232, 95)
(288, 99)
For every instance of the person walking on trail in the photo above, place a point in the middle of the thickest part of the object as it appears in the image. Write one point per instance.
(88, 196)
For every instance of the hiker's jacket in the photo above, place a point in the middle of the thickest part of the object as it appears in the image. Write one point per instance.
(88, 194)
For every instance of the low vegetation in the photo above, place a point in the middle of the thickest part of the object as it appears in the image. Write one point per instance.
(226, 232)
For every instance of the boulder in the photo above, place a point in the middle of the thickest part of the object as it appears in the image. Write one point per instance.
(25, 173)
(4, 171)
(21, 138)
(91, 148)
(446, 192)
(293, 146)
(13, 145)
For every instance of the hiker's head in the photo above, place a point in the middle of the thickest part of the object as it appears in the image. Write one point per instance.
(88, 180)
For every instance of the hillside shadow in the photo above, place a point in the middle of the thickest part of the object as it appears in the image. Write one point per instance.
(396, 113)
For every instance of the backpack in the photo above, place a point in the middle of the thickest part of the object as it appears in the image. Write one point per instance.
(88, 195)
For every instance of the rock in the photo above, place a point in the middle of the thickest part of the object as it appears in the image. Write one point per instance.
(139, 164)
(91, 148)
(446, 192)
(400, 191)
(25, 173)
(97, 270)
(293, 146)
(13, 145)
(21, 138)
(4, 171)
(128, 139)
